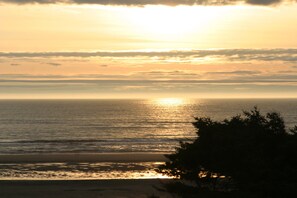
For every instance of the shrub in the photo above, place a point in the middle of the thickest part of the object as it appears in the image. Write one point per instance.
(249, 153)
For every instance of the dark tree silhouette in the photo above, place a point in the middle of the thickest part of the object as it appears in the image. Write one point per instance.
(249, 153)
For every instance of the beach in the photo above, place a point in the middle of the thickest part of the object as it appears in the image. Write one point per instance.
(142, 188)
(79, 166)
(37, 175)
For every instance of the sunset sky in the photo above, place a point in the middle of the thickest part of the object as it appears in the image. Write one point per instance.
(148, 48)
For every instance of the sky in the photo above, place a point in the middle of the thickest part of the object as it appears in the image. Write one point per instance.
(148, 49)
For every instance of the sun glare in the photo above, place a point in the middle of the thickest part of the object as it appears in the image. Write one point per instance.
(170, 101)
(167, 23)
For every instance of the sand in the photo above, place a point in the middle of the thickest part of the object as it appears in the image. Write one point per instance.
(134, 188)
(83, 189)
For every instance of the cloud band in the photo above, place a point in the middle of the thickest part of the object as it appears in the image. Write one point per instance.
(287, 55)
(146, 2)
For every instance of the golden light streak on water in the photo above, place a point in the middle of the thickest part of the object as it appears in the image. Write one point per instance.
(170, 101)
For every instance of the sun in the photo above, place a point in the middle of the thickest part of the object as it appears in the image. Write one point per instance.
(167, 23)
(161, 21)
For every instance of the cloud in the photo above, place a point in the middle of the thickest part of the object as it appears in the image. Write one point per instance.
(145, 88)
(263, 2)
(149, 76)
(147, 2)
(53, 64)
(99, 84)
(163, 74)
(286, 55)
(238, 72)
(172, 77)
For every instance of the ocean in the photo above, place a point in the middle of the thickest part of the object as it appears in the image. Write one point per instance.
(109, 126)
(100, 126)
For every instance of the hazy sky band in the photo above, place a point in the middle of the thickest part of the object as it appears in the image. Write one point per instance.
(150, 2)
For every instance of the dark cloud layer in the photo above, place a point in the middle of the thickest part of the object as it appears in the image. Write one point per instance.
(239, 72)
(53, 64)
(287, 55)
(147, 2)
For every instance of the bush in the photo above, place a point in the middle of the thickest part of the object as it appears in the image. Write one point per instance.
(252, 153)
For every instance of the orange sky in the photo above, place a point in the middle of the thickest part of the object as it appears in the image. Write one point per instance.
(98, 51)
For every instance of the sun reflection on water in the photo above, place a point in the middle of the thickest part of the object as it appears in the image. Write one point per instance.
(80, 171)
(170, 101)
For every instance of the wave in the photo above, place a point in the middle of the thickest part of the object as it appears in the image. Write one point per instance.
(118, 140)
(86, 157)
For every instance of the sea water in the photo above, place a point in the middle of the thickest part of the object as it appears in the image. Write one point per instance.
(110, 126)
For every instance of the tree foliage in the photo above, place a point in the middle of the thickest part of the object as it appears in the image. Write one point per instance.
(254, 152)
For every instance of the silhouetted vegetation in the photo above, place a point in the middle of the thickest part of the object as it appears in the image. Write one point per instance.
(249, 155)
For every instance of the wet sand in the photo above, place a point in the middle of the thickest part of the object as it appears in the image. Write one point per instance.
(142, 188)
(67, 188)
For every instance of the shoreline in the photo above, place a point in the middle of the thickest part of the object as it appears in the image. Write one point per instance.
(78, 166)
(82, 157)
(80, 181)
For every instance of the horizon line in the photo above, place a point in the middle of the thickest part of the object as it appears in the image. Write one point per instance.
(151, 98)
